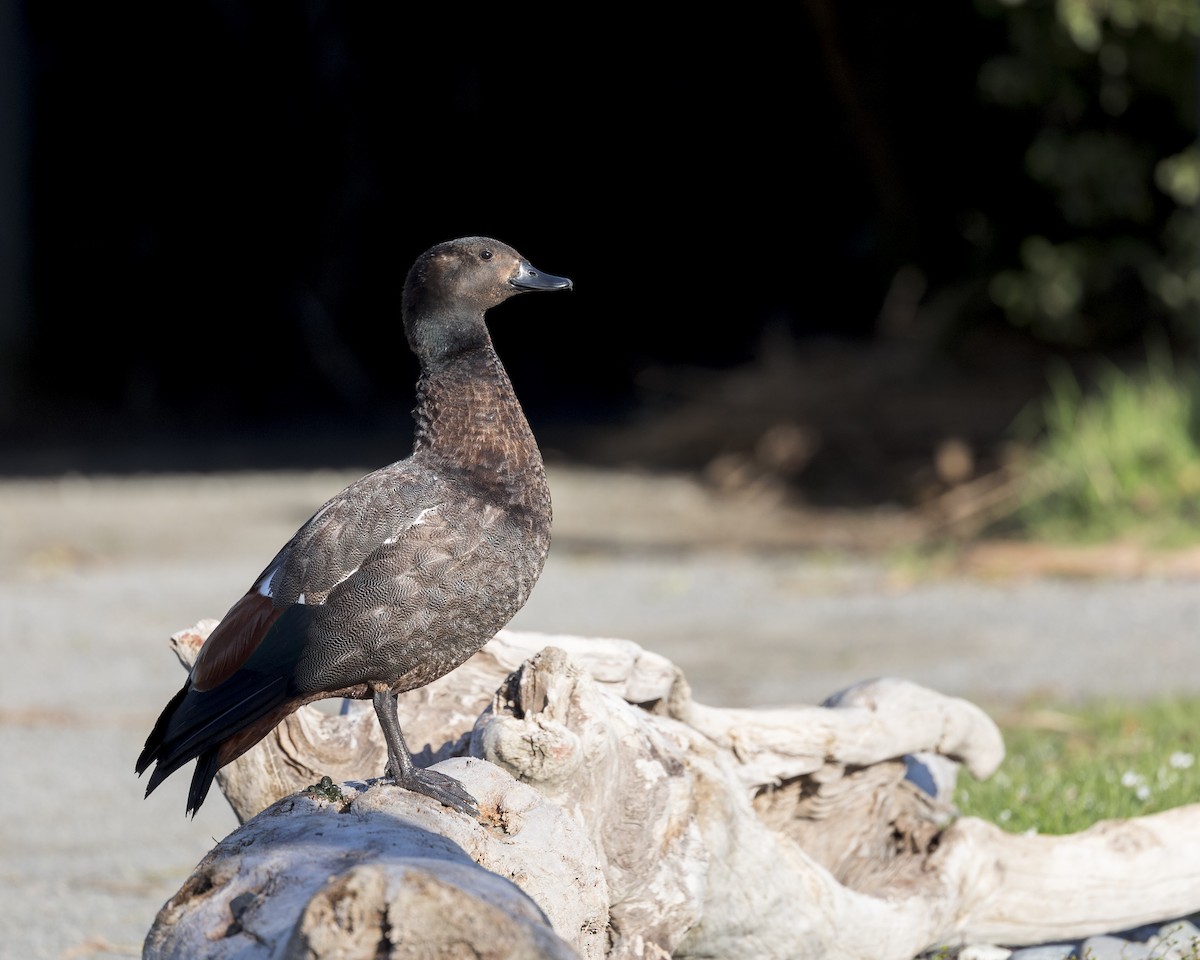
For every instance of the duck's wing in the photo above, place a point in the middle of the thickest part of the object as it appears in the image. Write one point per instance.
(242, 681)
(328, 549)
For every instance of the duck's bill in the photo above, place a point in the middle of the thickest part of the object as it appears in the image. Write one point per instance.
(529, 278)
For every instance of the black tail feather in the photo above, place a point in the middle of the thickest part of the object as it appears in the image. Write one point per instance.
(196, 723)
(155, 742)
(202, 778)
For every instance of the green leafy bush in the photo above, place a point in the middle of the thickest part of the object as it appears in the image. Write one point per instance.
(1107, 236)
(1122, 461)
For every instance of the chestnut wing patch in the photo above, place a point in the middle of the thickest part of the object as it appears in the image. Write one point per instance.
(233, 640)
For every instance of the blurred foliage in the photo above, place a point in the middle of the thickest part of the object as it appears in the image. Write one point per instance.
(1108, 241)
(1120, 461)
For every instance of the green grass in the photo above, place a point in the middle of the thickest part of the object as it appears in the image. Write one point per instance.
(1121, 461)
(1067, 769)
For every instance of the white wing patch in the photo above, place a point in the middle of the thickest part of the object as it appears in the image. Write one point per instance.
(264, 584)
(420, 517)
(416, 522)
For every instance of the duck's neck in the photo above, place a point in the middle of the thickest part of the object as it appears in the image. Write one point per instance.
(468, 417)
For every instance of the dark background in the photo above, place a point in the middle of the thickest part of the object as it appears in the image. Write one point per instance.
(210, 208)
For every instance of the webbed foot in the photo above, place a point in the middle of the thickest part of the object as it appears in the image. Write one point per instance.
(405, 773)
(446, 790)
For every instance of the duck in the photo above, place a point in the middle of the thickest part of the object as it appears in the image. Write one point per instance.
(403, 575)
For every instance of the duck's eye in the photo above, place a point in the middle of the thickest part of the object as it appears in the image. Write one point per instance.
(485, 254)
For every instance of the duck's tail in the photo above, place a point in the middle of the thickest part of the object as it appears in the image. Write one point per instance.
(206, 725)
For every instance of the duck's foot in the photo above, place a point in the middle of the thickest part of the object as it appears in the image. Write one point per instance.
(405, 773)
(446, 790)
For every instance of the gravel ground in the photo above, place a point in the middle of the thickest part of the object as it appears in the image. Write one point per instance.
(757, 606)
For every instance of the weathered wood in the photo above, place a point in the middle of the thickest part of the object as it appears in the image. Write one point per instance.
(645, 825)
(374, 870)
(1116, 875)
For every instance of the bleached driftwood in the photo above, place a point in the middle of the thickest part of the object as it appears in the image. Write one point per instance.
(620, 818)
(341, 872)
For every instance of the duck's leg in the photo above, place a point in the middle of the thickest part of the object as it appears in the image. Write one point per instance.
(407, 774)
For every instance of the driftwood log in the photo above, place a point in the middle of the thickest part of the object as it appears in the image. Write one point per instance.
(622, 819)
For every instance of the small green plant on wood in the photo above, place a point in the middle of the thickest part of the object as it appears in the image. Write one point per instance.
(325, 789)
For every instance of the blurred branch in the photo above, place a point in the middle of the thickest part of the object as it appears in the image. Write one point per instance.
(876, 150)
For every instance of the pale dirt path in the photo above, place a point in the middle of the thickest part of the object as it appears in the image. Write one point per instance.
(756, 606)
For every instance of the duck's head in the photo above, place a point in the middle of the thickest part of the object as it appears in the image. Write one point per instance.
(451, 286)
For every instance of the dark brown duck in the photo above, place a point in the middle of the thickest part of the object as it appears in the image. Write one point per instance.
(404, 574)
